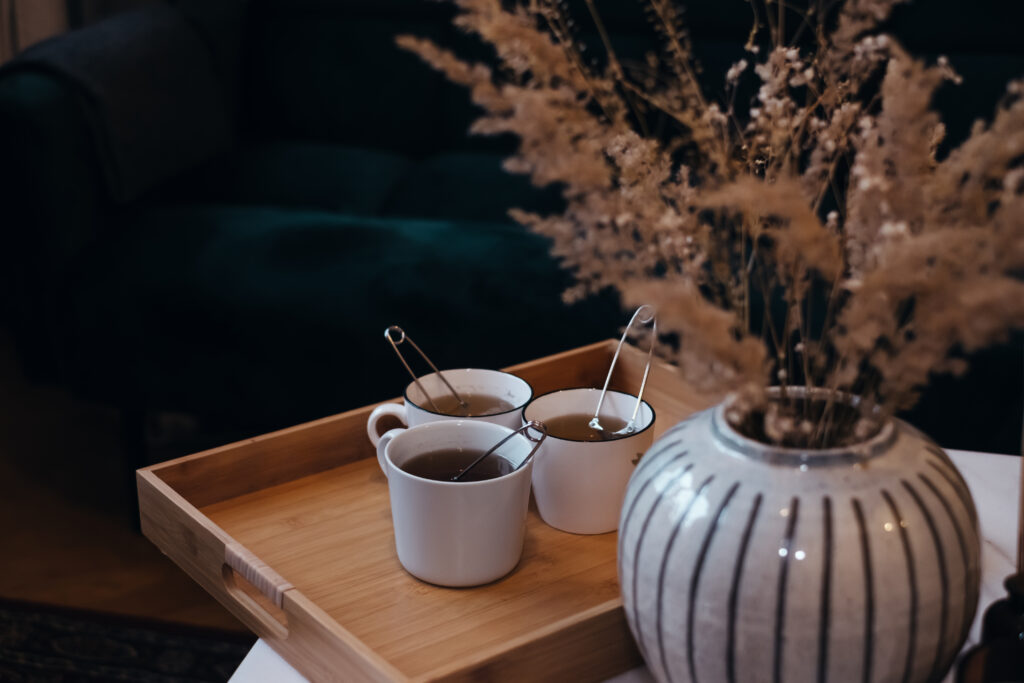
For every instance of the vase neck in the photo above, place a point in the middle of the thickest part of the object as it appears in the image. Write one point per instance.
(736, 442)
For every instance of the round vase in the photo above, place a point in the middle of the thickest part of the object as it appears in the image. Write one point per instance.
(740, 561)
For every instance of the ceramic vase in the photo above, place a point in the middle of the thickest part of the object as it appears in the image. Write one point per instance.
(740, 561)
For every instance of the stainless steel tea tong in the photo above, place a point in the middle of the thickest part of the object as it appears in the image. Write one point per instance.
(402, 338)
(653, 320)
(525, 431)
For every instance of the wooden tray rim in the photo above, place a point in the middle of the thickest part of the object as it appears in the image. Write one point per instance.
(290, 600)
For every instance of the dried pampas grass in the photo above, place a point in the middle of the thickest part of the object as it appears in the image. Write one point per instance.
(824, 187)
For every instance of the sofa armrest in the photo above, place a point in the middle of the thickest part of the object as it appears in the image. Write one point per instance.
(51, 195)
(152, 95)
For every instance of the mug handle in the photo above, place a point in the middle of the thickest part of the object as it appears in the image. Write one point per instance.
(392, 409)
(382, 444)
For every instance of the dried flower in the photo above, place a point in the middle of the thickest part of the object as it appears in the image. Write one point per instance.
(826, 185)
(735, 71)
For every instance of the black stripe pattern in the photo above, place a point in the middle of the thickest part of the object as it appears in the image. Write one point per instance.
(785, 554)
(971, 571)
(637, 624)
(908, 555)
(824, 621)
(660, 600)
(869, 592)
(741, 576)
(734, 591)
(695, 581)
(943, 597)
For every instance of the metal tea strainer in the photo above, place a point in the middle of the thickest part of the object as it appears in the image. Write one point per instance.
(651, 318)
(525, 431)
(402, 338)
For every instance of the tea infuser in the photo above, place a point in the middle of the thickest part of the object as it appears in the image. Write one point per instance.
(525, 431)
(405, 338)
(630, 427)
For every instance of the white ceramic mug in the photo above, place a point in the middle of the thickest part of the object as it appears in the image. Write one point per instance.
(579, 485)
(415, 409)
(457, 533)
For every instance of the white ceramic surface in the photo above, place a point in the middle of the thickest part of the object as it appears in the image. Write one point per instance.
(415, 409)
(742, 562)
(579, 485)
(457, 533)
(992, 478)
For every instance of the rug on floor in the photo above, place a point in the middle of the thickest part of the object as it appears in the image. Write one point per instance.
(45, 643)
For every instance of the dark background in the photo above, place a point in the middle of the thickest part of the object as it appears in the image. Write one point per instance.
(324, 72)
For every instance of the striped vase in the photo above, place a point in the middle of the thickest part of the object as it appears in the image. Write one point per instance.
(744, 562)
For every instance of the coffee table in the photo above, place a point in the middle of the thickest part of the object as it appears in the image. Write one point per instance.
(994, 481)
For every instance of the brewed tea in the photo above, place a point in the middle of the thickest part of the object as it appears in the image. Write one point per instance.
(577, 427)
(476, 405)
(444, 464)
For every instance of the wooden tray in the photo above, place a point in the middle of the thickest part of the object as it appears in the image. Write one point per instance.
(292, 532)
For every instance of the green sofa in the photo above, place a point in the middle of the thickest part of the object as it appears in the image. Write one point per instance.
(248, 279)
(217, 206)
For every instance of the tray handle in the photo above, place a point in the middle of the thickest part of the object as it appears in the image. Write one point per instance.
(256, 572)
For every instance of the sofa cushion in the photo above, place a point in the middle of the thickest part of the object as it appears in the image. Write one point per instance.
(304, 175)
(330, 71)
(277, 316)
(467, 186)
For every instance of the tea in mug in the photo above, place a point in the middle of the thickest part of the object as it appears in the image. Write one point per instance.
(476, 405)
(577, 427)
(445, 464)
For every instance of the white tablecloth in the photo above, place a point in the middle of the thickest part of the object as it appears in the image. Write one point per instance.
(994, 481)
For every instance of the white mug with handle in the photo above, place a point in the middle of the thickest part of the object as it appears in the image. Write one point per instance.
(504, 393)
(458, 533)
(579, 485)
